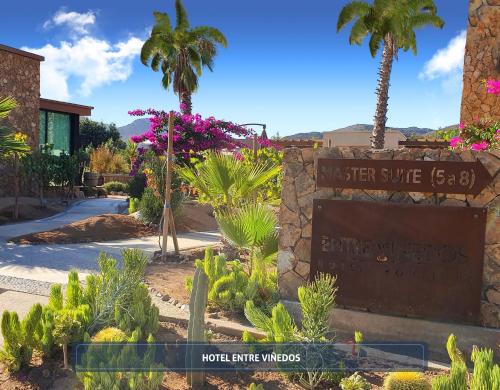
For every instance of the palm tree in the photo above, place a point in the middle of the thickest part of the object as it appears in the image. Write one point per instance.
(181, 53)
(390, 23)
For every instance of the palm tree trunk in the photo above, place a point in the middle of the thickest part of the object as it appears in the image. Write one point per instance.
(185, 103)
(378, 135)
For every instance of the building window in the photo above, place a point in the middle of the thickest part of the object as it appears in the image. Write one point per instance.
(55, 129)
(329, 143)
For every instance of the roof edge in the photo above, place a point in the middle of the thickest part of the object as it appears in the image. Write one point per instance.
(21, 52)
(70, 108)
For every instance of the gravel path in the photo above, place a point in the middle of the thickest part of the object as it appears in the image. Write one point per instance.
(24, 285)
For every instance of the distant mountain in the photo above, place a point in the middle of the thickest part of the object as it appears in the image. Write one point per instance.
(137, 127)
(408, 131)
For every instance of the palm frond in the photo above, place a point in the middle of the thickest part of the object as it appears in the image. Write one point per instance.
(181, 18)
(358, 32)
(374, 44)
(211, 34)
(147, 50)
(9, 144)
(162, 25)
(355, 9)
(425, 19)
(7, 104)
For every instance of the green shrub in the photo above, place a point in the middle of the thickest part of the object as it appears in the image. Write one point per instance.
(133, 205)
(116, 186)
(406, 381)
(354, 382)
(150, 206)
(89, 191)
(253, 386)
(101, 192)
(137, 185)
(317, 298)
(456, 380)
(486, 374)
(20, 337)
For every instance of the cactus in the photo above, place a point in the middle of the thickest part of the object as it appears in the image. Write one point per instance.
(354, 382)
(457, 380)
(253, 386)
(406, 381)
(454, 352)
(196, 325)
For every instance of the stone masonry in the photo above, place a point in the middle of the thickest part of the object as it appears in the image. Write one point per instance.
(482, 60)
(299, 190)
(20, 78)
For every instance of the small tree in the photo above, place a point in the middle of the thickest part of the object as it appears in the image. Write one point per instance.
(39, 166)
(65, 330)
(95, 134)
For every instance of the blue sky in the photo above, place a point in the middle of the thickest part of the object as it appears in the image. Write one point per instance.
(285, 64)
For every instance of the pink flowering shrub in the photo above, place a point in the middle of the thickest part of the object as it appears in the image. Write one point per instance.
(192, 134)
(493, 86)
(483, 134)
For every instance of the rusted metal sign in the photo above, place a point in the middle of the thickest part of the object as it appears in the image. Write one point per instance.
(409, 260)
(450, 177)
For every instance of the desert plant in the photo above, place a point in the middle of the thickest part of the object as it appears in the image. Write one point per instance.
(181, 53)
(39, 167)
(66, 329)
(137, 185)
(150, 206)
(252, 228)
(20, 337)
(226, 182)
(196, 326)
(105, 160)
(354, 382)
(115, 186)
(390, 23)
(486, 374)
(133, 205)
(254, 386)
(456, 380)
(406, 381)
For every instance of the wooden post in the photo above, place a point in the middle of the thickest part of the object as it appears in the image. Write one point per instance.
(168, 218)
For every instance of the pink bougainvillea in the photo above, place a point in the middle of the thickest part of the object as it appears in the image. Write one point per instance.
(192, 134)
(493, 86)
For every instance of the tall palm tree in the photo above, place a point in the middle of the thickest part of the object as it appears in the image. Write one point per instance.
(181, 53)
(390, 23)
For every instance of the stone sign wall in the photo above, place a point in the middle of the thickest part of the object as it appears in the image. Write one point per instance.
(482, 60)
(300, 189)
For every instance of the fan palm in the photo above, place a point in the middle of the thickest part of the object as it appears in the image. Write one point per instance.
(390, 23)
(253, 228)
(225, 182)
(181, 53)
(9, 143)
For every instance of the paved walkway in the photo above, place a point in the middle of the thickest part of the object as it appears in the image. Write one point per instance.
(76, 212)
(31, 267)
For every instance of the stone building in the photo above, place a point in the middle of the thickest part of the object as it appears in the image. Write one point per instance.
(482, 60)
(43, 120)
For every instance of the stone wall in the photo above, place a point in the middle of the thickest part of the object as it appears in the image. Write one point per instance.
(20, 78)
(299, 190)
(482, 56)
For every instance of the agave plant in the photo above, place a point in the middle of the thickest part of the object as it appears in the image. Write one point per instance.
(225, 182)
(9, 143)
(251, 228)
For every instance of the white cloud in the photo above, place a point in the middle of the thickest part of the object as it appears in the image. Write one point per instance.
(84, 60)
(446, 62)
(77, 22)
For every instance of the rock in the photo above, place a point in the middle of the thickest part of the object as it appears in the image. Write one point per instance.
(304, 184)
(493, 296)
(418, 196)
(165, 297)
(293, 169)
(483, 199)
(288, 284)
(490, 315)
(492, 235)
(286, 261)
(308, 155)
(159, 295)
(453, 202)
(303, 250)
(490, 162)
(288, 235)
(292, 155)
(288, 195)
(174, 302)
(303, 268)
(384, 154)
(307, 230)
(287, 216)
